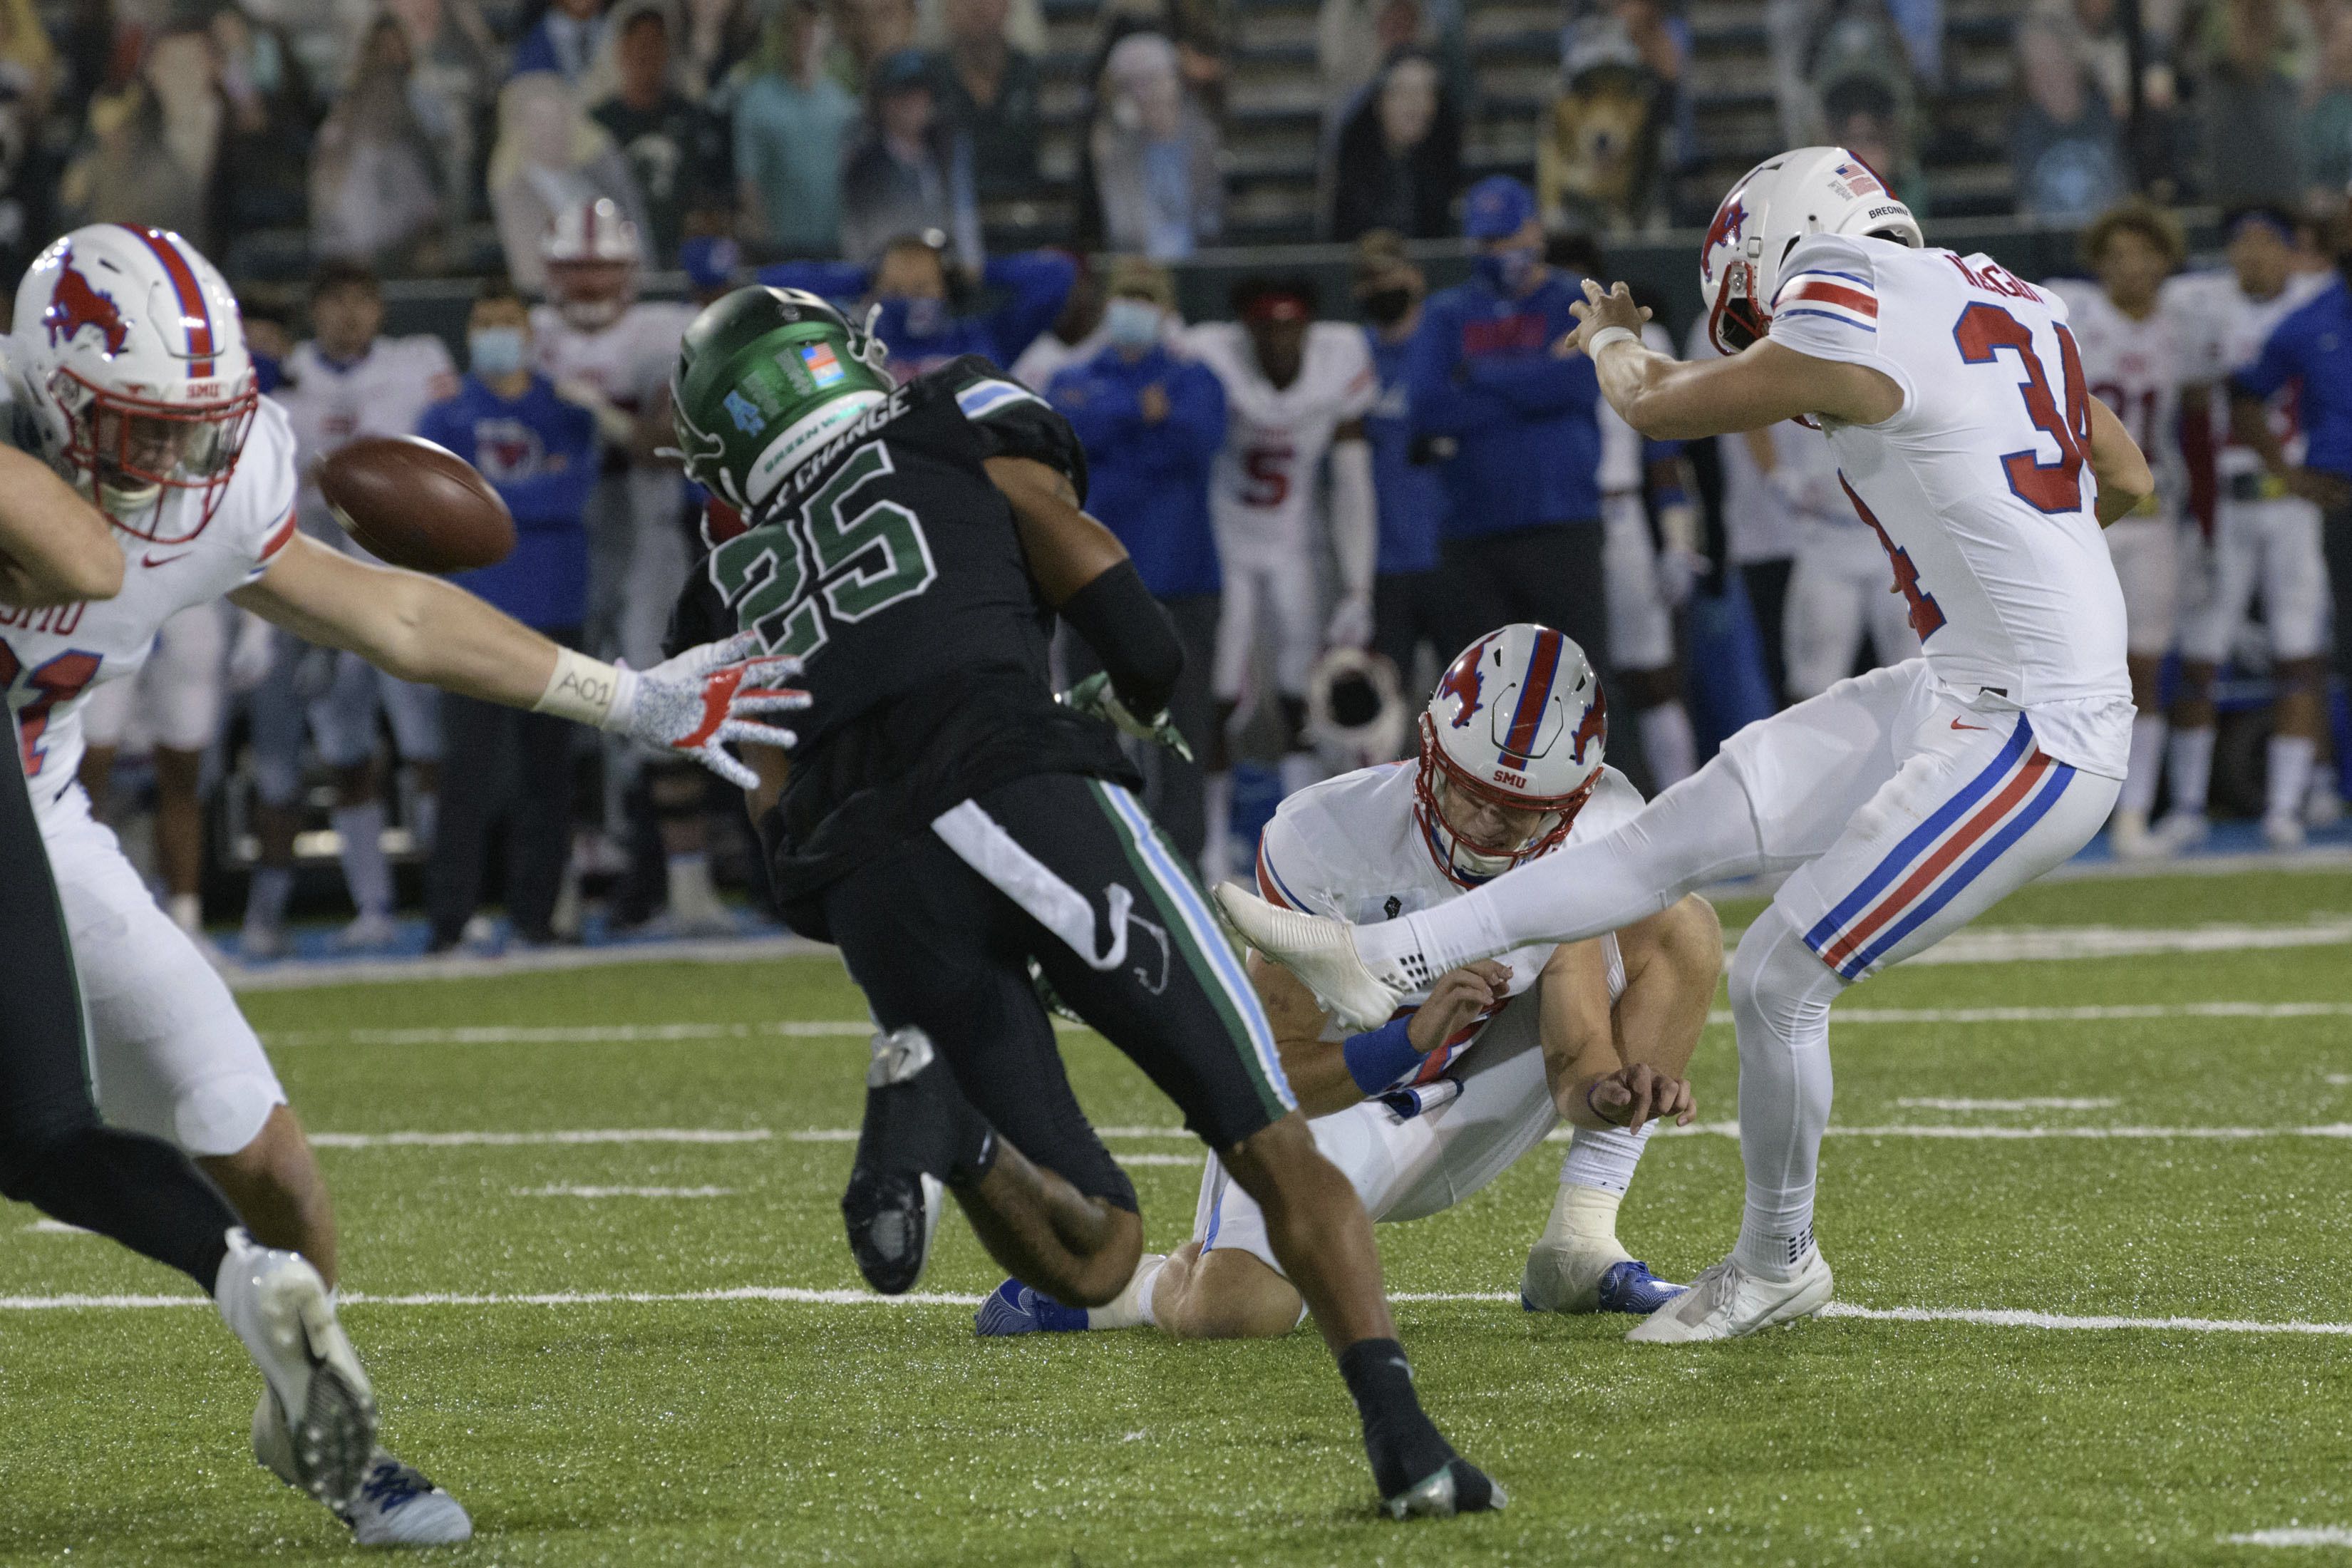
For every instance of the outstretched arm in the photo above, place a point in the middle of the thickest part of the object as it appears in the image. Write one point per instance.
(54, 547)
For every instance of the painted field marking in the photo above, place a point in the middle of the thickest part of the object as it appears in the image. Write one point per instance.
(1193, 1160)
(1939, 1102)
(2294, 1535)
(56, 1227)
(2035, 944)
(566, 1192)
(510, 1140)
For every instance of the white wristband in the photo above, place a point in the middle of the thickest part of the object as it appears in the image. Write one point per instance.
(1608, 336)
(587, 691)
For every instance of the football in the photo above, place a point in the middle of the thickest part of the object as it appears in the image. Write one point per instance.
(416, 504)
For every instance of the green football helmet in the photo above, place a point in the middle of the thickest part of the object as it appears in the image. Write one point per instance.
(764, 378)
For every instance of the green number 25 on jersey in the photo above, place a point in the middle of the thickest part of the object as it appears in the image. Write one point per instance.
(829, 561)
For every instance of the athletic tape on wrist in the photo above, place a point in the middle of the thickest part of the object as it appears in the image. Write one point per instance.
(586, 689)
(1608, 336)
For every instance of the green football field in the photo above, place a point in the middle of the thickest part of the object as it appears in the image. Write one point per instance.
(2155, 1133)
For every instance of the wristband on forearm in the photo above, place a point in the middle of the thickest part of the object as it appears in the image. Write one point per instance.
(1377, 1058)
(587, 691)
(1608, 336)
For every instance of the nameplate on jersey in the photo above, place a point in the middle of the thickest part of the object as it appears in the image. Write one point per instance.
(1994, 279)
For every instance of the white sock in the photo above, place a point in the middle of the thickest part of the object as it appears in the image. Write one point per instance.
(2146, 763)
(2193, 768)
(1217, 845)
(689, 881)
(1131, 1307)
(1700, 831)
(1781, 996)
(264, 902)
(366, 873)
(187, 912)
(2290, 775)
(1667, 743)
(1299, 769)
(1603, 1158)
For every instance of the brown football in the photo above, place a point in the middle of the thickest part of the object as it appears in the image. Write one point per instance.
(416, 504)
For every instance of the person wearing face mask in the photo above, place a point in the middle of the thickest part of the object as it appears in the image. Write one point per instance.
(1406, 486)
(1152, 424)
(1523, 539)
(538, 452)
(922, 316)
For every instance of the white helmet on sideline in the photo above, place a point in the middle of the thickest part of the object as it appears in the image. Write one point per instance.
(1355, 712)
(1518, 721)
(593, 254)
(1810, 190)
(129, 353)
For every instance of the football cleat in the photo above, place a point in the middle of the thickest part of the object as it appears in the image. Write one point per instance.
(2282, 830)
(1591, 1279)
(368, 934)
(279, 1307)
(2130, 838)
(395, 1504)
(1460, 1488)
(2183, 830)
(1014, 1308)
(1727, 1301)
(1321, 952)
(895, 1195)
(1628, 1287)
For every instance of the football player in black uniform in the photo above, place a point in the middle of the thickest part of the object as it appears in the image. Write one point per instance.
(949, 825)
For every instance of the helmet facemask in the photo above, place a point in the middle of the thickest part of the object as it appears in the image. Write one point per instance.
(1445, 794)
(129, 451)
(592, 295)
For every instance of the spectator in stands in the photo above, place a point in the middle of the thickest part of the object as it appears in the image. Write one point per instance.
(1522, 542)
(565, 40)
(153, 152)
(909, 173)
(1600, 148)
(720, 35)
(28, 81)
(674, 148)
(1077, 333)
(868, 33)
(1406, 585)
(1155, 154)
(792, 121)
(988, 89)
(2327, 128)
(2252, 112)
(929, 311)
(550, 156)
(1356, 39)
(454, 67)
(2065, 151)
(376, 193)
(1152, 425)
(538, 452)
(271, 120)
(1400, 159)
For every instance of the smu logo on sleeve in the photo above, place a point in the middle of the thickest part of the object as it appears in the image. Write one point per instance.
(506, 450)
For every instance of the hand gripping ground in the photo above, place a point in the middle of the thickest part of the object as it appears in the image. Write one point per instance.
(707, 696)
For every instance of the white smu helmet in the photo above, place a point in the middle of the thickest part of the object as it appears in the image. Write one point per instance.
(1812, 190)
(1517, 722)
(130, 354)
(593, 254)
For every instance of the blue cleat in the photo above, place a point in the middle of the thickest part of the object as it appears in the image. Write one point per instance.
(1628, 1288)
(1015, 1309)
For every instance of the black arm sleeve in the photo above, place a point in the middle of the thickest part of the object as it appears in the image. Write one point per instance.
(1132, 634)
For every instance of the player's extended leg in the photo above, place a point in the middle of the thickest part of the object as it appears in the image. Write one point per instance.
(2296, 608)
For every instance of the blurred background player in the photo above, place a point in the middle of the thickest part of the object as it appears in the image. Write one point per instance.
(610, 352)
(2266, 540)
(1407, 616)
(929, 310)
(2131, 348)
(1297, 390)
(345, 382)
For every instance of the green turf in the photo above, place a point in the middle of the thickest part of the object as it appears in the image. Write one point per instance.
(751, 1432)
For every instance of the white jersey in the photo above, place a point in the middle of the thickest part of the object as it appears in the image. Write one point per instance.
(384, 392)
(2223, 329)
(1980, 484)
(53, 658)
(2135, 368)
(629, 361)
(1354, 848)
(1262, 489)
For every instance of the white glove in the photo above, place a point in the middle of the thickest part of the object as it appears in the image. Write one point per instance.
(253, 653)
(697, 703)
(1351, 623)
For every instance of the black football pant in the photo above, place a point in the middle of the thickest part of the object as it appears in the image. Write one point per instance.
(1068, 871)
(1408, 610)
(1549, 573)
(501, 765)
(54, 1154)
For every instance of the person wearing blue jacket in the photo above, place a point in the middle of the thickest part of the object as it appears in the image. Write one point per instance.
(1407, 587)
(539, 453)
(921, 323)
(1522, 542)
(1152, 425)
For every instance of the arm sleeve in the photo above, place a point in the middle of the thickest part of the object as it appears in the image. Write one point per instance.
(1039, 281)
(1827, 307)
(1355, 520)
(1132, 635)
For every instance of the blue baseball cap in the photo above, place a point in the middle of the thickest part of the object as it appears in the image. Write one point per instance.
(1497, 207)
(710, 261)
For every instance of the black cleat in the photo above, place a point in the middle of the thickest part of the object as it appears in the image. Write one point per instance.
(913, 1113)
(891, 1217)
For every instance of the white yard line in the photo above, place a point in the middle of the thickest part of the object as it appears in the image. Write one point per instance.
(1939, 1102)
(504, 1139)
(564, 1192)
(2294, 1535)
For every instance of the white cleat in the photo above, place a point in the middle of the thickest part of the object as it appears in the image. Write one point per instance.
(368, 934)
(2129, 837)
(279, 1307)
(395, 1504)
(1320, 951)
(1727, 1301)
(2183, 830)
(2282, 832)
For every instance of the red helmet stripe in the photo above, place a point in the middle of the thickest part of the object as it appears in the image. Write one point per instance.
(1527, 719)
(195, 314)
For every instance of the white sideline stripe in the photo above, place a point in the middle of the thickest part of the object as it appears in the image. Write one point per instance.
(2014, 1134)
(503, 1139)
(2024, 944)
(304, 976)
(1192, 1160)
(1981, 1317)
(2294, 1535)
(1939, 1102)
(2085, 1015)
(562, 1191)
(56, 1227)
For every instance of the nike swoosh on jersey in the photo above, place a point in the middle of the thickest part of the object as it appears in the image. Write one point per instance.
(1957, 725)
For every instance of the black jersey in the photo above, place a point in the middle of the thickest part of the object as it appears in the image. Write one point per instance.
(889, 564)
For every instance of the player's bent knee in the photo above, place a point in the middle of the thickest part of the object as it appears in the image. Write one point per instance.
(1231, 1295)
(230, 1115)
(1095, 1277)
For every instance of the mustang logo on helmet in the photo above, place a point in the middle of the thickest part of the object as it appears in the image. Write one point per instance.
(1463, 682)
(76, 303)
(1594, 725)
(1730, 219)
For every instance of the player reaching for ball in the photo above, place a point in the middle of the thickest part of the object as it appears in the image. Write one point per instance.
(949, 825)
(1902, 803)
(131, 376)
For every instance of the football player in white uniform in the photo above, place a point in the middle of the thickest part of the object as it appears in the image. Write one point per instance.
(2266, 540)
(346, 381)
(132, 378)
(1296, 390)
(611, 351)
(1902, 803)
(1646, 583)
(1838, 593)
(1425, 1110)
(2131, 348)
